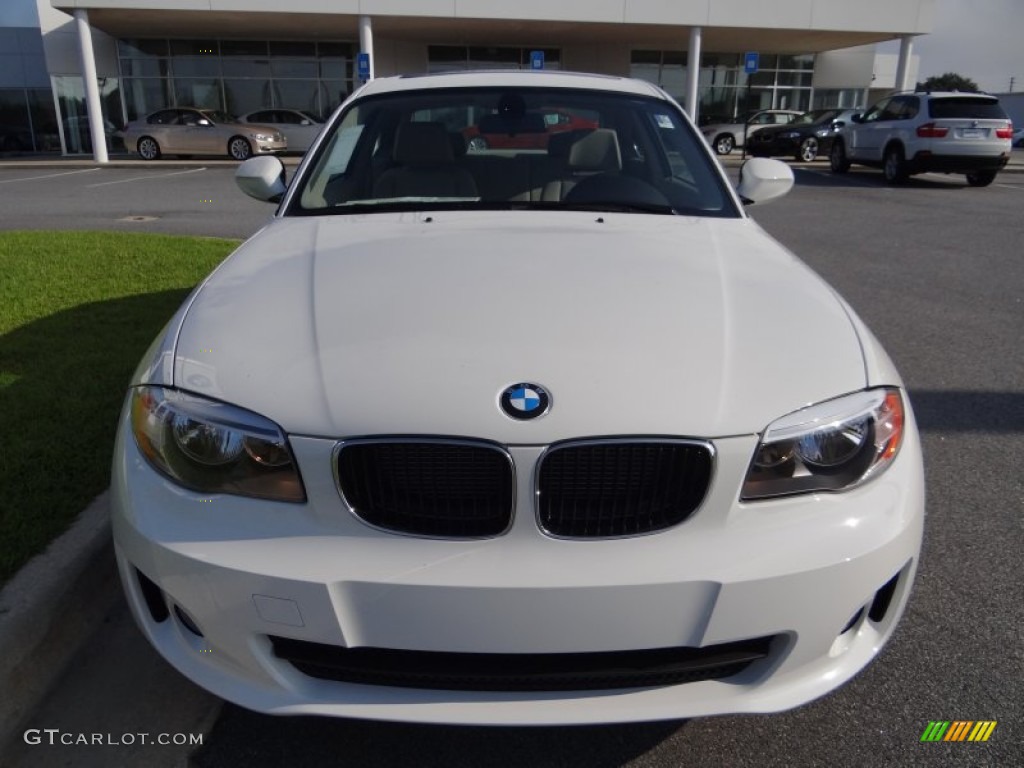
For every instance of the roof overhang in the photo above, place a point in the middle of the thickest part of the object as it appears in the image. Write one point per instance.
(122, 22)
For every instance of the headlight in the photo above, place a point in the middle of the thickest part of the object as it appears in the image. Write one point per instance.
(823, 133)
(830, 446)
(790, 135)
(213, 447)
(262, 136)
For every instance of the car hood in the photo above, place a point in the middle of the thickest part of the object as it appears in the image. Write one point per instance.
(414, 324)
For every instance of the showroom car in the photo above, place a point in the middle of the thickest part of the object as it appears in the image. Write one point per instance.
(298, 128)
(188, 131)
(516, 436)
(725, 137)
(922, 132)
(804, 139)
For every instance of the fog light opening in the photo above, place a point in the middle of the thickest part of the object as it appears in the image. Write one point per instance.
(852, 622)
(883, 599)
(154, 598)
(187, 621)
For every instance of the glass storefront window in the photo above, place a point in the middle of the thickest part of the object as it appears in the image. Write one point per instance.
(242, 67)
(15, 128)
(243, 48)
(202, 93)
(494, 58)
(335, 69)
(196, 66)
(140, 49)
(452, 58)
(447, 58)
(237, 76)
(645, 65)
(45, 135)
(297, 94)
(194, 48)
(332, 93)
(803, 61)
(74, 119)
(673, 74)
(293, 67)
(296, 49)
(144, 67)
(145, 95)
(244, 96)
(795, 79)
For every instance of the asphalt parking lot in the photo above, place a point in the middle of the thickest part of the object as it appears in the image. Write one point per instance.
(933, 267)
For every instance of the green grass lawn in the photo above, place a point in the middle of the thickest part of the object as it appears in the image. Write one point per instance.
(77, 311)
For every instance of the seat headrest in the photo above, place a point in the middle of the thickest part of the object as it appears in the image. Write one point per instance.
(597, 151)
(422, 144)
(561, 142)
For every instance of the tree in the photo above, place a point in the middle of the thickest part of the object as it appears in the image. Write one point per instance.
(950, 81)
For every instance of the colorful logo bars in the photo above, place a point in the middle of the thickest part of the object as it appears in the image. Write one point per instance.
(958, 730)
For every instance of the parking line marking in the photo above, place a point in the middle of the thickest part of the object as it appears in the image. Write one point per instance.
(1010, 186)
(47, 176)
(149, 176)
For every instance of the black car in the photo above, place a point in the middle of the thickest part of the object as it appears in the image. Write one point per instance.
(805, 138)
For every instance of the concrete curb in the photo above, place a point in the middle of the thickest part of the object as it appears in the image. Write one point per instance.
(48, 611)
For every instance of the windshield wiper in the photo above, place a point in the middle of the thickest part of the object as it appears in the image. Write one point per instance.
(618, 207)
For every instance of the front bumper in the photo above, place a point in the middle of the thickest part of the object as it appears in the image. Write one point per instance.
(244, 571)
(268, 146)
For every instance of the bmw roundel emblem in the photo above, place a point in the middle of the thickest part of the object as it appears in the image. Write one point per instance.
(525, 401)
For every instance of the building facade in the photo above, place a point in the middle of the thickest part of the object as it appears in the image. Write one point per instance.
(243, 55)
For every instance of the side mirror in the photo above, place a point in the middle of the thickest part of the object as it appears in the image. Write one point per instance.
(858, 118)
(304, 121)
(262, 178)
(203, 121)
(762, 180)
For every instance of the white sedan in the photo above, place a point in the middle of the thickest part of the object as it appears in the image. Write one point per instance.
(299, 128)
(551, 435)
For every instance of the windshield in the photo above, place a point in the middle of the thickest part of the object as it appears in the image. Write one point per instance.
(511, 148)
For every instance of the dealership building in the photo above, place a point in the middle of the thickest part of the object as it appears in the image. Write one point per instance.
(74, 69)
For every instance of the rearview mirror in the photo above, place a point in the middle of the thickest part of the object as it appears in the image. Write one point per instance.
(762, 180)
(262, 178)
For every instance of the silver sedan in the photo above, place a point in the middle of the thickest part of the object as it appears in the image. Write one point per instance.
(190, 131)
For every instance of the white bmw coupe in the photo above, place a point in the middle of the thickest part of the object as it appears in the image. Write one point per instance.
(551, 433)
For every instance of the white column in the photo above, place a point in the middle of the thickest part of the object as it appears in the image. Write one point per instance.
(903, 67)
(693, 73)
(366, 40)
(92, 90)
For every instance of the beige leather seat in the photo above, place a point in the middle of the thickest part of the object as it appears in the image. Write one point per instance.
(424, 166)
(595, 153)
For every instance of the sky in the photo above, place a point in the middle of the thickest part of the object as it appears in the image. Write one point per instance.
(979, 39)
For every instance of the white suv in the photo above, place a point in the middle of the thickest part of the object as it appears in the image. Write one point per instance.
(909, 133)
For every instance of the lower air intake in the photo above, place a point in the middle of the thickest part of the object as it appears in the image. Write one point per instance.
(520, 672)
